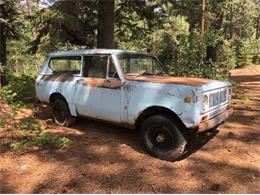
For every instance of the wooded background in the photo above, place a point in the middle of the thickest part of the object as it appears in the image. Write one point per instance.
(204, 38)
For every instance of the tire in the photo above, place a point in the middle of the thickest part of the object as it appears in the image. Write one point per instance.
(61, 113)
(162, 138)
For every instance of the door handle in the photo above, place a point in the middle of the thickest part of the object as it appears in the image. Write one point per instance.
(79, 81)
(39, 83)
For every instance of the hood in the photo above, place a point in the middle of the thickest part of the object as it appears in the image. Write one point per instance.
(206, 84)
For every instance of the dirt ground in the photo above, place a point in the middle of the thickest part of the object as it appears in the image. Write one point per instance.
(108, 159)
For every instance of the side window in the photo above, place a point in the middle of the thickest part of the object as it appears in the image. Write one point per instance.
(125, 64)
(99, 66)
(66, 64)
(141, 64)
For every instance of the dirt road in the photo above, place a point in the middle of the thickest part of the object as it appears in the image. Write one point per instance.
(108, 159)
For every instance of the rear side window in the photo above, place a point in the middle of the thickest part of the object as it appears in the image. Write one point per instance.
(66, 64)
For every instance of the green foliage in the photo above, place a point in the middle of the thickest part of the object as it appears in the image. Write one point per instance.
(169, 41)
(227, 55)
(19, 60)
(244, 51)
(34, 136)
(2, 122)
(60, 26)
(11, 18)
(63, 141)
(44, 138)
(41, 140)
(135, 21)
(18, 145)
(5, 120)
(170, 29)
(28, 124)
(240, 30)
(20, 89)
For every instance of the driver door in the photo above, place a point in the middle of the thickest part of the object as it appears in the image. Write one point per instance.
(101, 74)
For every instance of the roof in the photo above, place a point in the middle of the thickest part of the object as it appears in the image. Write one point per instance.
(89, 51)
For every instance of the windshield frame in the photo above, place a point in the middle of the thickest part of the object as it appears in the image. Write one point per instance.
(141, 54)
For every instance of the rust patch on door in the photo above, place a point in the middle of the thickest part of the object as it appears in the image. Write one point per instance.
(102, 83)
(60, 77)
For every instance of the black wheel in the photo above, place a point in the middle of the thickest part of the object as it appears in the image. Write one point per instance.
(162, 138)
(61, 113)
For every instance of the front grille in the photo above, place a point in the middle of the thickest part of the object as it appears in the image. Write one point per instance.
(222, 96)
(217, 98)
(216, 112)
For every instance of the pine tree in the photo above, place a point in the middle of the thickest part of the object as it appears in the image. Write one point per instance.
(9, 28)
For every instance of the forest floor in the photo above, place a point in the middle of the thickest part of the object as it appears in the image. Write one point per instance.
(108, 159)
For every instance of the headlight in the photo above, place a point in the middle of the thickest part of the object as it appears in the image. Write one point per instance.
(205, 105)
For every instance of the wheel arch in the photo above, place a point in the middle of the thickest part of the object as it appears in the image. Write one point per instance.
(56, 95)
(153, 110)
(71, 106)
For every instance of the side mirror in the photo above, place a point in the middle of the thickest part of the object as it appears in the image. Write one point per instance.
(112, 83)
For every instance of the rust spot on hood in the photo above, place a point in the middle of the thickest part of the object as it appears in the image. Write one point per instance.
(170, 80)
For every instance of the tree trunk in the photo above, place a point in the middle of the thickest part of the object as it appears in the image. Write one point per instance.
(211, 52)
(2, 53)
(2, 45)
(257, 27)
(29, 9)
(106, 20)
(202, 20)
(231, 22)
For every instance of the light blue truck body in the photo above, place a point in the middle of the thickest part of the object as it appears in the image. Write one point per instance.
(125, 99)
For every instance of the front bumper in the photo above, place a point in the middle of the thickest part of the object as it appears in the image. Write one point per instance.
(216, 120)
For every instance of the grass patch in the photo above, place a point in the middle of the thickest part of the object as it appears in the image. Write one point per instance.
(63, 141)
(18, 145)
(34, 136)
(29, 124)
(18, 105)
(2, 122)
(41, 140)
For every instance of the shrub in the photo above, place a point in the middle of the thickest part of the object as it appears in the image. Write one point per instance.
(18, 145)
(2, 122)
(44, 138)
(41, 140)
(244, 51)
(19, 89)
(29, 124)
(62, 141)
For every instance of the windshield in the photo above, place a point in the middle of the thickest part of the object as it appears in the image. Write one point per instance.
(140, 64)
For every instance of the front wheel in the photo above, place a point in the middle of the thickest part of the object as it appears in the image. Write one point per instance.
(61, 113)
(162, 138)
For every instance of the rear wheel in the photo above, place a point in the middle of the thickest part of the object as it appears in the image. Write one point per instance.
(162, 138)
(61, 113)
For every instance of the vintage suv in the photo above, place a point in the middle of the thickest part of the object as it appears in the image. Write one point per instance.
(131, 89)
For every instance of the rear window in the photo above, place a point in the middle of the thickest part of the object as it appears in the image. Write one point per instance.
(66, 64)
